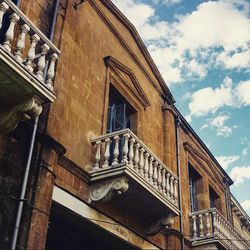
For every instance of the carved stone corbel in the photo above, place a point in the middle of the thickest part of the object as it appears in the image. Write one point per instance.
(105, 190)
(164, 222)
(11, 115)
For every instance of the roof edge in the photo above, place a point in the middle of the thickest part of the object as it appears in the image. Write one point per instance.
(142, 47)
(190, 129)
(236, 202)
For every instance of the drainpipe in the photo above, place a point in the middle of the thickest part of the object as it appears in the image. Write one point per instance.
(24, 186)
(53, 22)
(177, 127)
(31, 148)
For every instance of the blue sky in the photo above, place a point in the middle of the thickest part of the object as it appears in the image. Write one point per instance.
(202, 49)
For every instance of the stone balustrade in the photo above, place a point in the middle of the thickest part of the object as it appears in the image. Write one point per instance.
(21, 35)
(124, 148)
(211, 224)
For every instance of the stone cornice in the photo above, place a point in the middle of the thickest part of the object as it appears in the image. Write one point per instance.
(73, 168)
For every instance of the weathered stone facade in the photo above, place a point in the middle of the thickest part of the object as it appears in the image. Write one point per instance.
(101, 53)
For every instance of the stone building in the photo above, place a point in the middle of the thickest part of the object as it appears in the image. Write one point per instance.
(93, 152)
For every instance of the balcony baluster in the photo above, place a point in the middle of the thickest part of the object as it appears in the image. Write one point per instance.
(3, 8)
(18, 22)
(116, 151)
(219, 230)
(129, 151)
(32, 52)
(21, 42)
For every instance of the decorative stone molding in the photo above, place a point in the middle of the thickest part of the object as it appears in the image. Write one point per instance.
(105, 190)
(164, 222)
(125, 80)
(24, 110)
(74, 168)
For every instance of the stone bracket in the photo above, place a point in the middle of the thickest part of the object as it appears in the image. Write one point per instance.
(164, 222)
(11, 115)
(105, 190)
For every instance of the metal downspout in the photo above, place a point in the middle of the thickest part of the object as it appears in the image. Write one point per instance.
(177, 126)
(31, 148)
(24, 186)
(53, 22)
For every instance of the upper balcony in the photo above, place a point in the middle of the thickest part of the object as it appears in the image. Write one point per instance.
(124, 164)
(27, 67)
(210, 227)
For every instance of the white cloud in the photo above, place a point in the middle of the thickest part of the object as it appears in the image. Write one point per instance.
(167, 2)
(224, 131)
(171, 2)
(244, 151)
(209, 100)
(246, 205)
(237, 60)
(214, 24)
(243, 140)
(246, 143)
(137, 13)
(195, 69)
(142, 16)
(204, 126)
(243, 92)
(219, 120)
(225, 161)
(219, 124)
(154, 32)
(240, 174)
(216, 31)
(188, 118)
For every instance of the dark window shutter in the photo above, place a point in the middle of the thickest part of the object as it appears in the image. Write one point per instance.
(110, 119)
(193, 201)
(120, 117)
(212, 197)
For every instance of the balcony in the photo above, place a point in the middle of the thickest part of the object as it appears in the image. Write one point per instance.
(27, 68)
(210, 227)
(125, 166)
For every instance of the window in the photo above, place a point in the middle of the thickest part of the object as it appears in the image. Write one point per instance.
(120, 112)
(214, 199)
(195, 188)
(192, 191)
